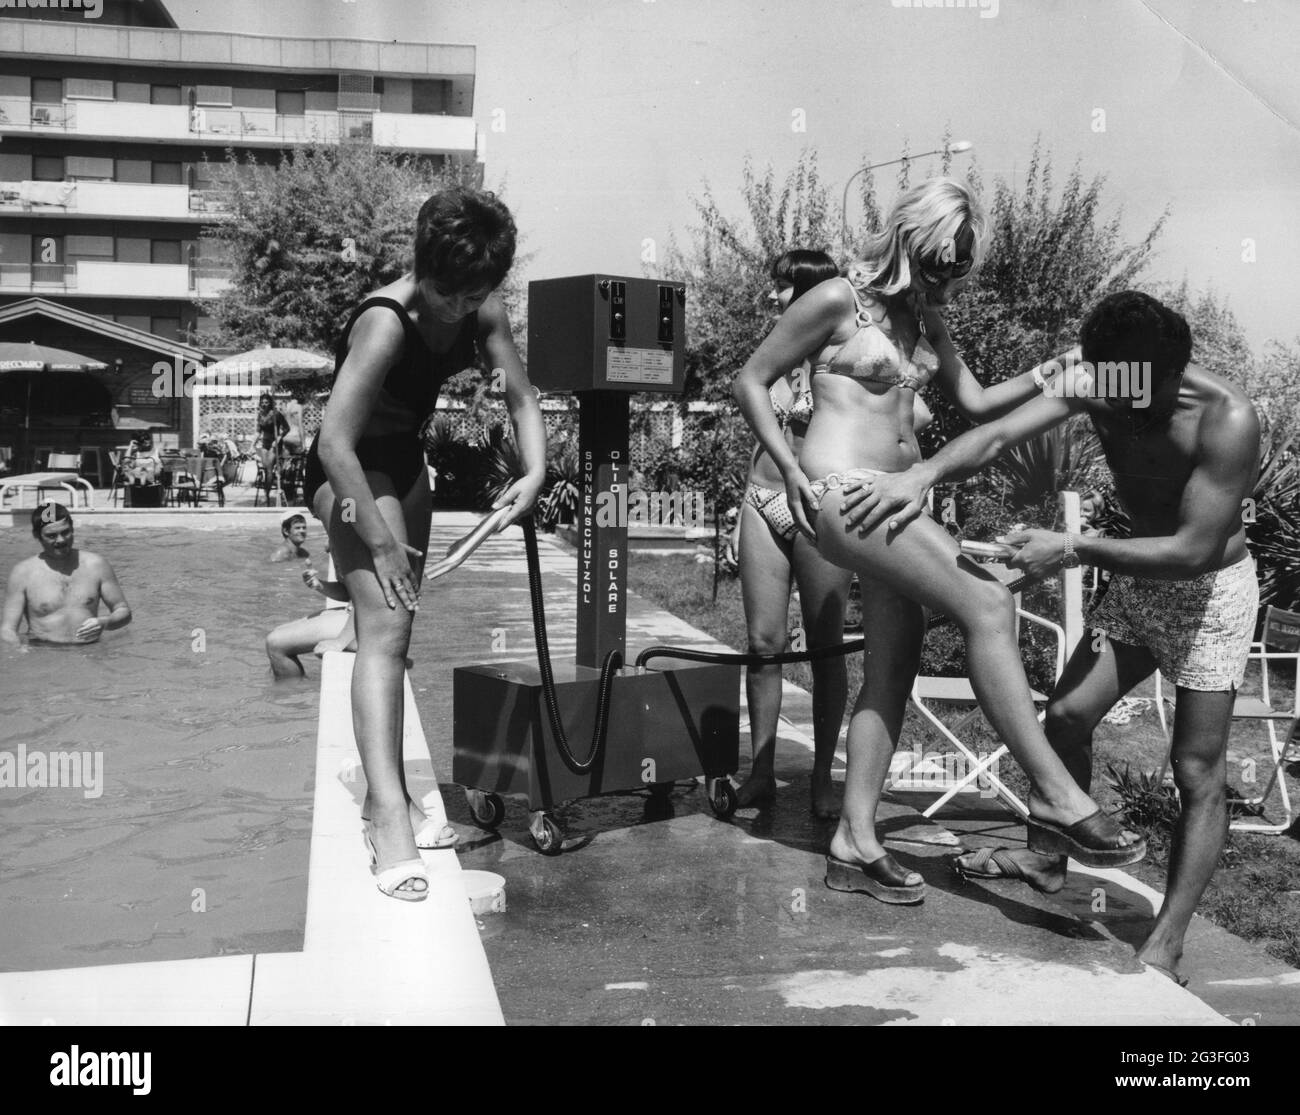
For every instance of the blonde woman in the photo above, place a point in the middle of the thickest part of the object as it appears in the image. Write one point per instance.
(872, 340)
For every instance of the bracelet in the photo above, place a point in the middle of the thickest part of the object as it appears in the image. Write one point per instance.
(1040, 380)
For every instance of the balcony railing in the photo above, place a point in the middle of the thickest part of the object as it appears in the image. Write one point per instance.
(20, 112)
(129, 120)
(99, 199)
(110, 278)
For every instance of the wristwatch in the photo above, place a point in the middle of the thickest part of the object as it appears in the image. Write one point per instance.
(1069, 559)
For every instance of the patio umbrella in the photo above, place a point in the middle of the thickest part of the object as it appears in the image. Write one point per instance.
(139, 424)
(270, 367)
(32, 359)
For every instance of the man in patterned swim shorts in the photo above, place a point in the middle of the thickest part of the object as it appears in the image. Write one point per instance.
(1183, 446)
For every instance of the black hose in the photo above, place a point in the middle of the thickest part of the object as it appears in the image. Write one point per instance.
(689, 654)
(613, 661)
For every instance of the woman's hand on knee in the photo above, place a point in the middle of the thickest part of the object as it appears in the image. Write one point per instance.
(392, 562)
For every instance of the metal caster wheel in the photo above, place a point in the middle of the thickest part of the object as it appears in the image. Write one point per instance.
(488, 810)
(547, 835)
(723, 798)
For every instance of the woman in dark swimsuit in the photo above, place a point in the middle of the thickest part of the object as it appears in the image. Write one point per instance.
(271, 427)
(366, 479)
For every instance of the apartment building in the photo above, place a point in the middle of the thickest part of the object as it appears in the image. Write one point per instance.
(108, 126)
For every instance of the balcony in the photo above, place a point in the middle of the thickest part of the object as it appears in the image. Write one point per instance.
(110, 279)
(103, 199)
(204, 125)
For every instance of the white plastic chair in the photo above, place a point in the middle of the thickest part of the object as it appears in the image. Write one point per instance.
(1279, 640)
(958, 690)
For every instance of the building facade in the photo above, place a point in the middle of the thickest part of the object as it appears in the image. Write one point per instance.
(108, 128)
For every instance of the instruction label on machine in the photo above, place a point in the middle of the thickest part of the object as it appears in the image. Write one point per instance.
(638, 365)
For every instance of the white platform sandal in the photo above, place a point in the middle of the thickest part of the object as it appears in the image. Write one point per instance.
(390, 879)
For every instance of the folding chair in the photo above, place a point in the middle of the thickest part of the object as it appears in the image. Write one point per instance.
(959, 691)
(117, 457)
(211, 483)
(63, 462)
(1279, 639)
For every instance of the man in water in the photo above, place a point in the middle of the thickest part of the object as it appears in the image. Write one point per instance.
(59, 590)
(1183, 446)
(294, 530)
(329, 629)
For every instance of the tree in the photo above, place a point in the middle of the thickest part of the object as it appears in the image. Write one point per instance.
(726, 268)
(726, 261)
(307, 238)
(1050, 259)
(1219, 343)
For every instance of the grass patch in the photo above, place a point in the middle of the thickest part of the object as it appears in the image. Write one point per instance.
(1256, 892)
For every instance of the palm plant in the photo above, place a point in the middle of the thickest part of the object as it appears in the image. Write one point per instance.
(1065, 458)
(1275, 532)
(502, 465)
(559, 502)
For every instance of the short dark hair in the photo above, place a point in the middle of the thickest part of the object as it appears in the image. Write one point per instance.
(49, 512)
(289, 523)
(803, 269)
(464, 240)
(1135, 328)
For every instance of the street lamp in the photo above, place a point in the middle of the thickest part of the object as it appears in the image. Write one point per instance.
(952, 149)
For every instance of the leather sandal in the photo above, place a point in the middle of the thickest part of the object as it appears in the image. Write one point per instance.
(1093, 841)
(884, 879)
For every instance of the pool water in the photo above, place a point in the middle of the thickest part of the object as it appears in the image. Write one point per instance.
(198, 844)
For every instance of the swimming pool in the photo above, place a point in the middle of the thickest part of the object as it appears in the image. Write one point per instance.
(198, 843)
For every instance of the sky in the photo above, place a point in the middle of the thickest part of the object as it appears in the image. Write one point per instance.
(603, 118)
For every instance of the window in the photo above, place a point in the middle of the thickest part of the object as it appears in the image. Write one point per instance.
(219, 95)
(165, 251)
(47, 90)
(83, 168)
(164, 94)
(133, 249)
(357, 91)
(166, 174)
(430, 97)
(291, 103)
(169, 327)
(134, 321)
(47, 168)
(90, 247)
(90, 88)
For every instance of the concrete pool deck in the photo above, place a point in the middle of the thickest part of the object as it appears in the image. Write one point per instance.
(678, 919)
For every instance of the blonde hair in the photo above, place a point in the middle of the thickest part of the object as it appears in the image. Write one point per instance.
(924, 220)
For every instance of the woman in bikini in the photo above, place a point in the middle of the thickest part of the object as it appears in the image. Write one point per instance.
(366, 480)
(770, 552)
(872, 340)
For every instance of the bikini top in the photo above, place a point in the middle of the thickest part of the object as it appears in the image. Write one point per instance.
(872, 355)
(799, 408)
(413, 382)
